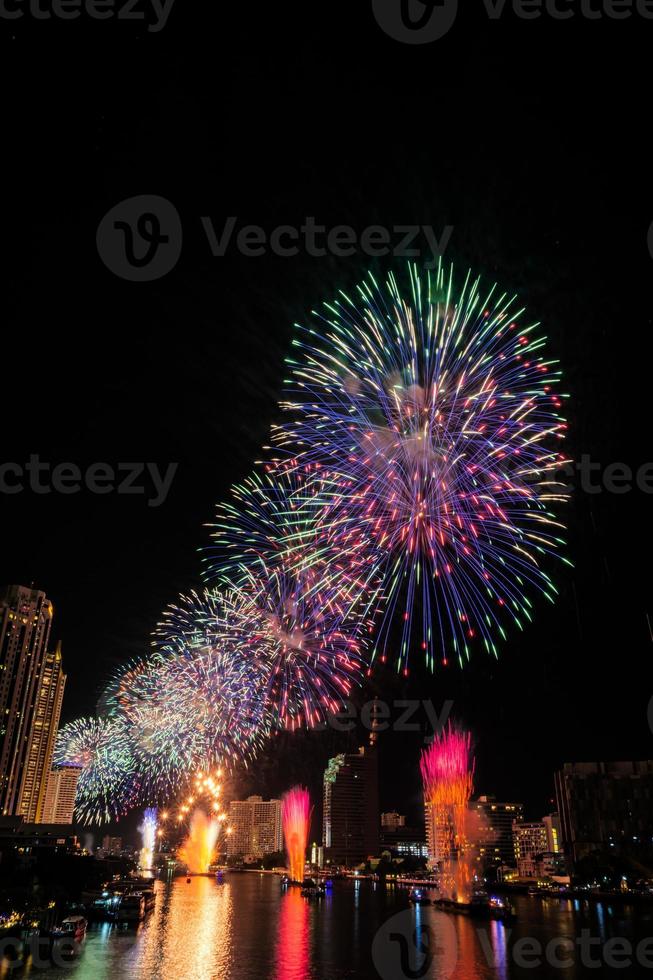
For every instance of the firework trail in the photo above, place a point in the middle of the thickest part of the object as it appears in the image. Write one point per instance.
(199, 849)
(438, 414)
(148, 835)
(296, 819)
(447, 768)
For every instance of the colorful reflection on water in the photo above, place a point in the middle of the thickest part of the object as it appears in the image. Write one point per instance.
(292, 959)
(249, 928)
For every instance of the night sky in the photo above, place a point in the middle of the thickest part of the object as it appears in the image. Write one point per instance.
(530, 138)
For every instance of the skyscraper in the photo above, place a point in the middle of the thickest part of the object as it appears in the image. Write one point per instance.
(27, 686)
(351, 806)
(604, 805)
(43, 732)
(59, 803)
(530, 842)
(255, 827)
(493, 833)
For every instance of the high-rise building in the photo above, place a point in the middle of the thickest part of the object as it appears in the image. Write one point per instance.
(530, 841)
(43, 733)
(493, 832)
(111, 845)
(351, 806)
(61, 786)
(553, 833)
(401, 839)
(30, 691)
(255, 827)
(392, 820)
(603, 805)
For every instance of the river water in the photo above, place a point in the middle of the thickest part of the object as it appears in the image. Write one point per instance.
(246, 929)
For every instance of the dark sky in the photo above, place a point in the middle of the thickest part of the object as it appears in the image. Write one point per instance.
(530, 138)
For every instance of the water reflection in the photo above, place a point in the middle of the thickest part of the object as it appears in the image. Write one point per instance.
(249, 929)
(293, 954)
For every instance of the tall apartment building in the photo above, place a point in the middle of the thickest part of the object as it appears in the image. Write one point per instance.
(41, 739)
(255, 827)
(493, 832)
(31, 689)
(350, 818)
(604, 805)
(530, 841)
(59, 803)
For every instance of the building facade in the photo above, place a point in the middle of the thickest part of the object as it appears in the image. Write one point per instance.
(493, 831)
(255, 827)
(59, 803)
(350, 816)
(604, 806)
(31, 687)
(530, 841)
(42, 736)
(401, 839)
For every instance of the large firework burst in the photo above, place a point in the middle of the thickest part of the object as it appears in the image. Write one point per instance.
(439, 416)
(145, 698)
(217, 676)
(298, 584)
(101, 749)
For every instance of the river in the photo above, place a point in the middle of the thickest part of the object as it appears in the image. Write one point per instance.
(247, 929)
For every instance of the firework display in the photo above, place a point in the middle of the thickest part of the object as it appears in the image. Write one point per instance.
(101, 749)
(301, 587)
(198, 850)
(408, 506)
(148, 830)
(440, 414)
(217, 672)
(447, 768)
(296, 820)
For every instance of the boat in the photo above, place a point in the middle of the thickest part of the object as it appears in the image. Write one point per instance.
(132, 886)
(287, 882)
(313, 891)
(72, 928)
(481, 906)
(416, 897)
(131, 908)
